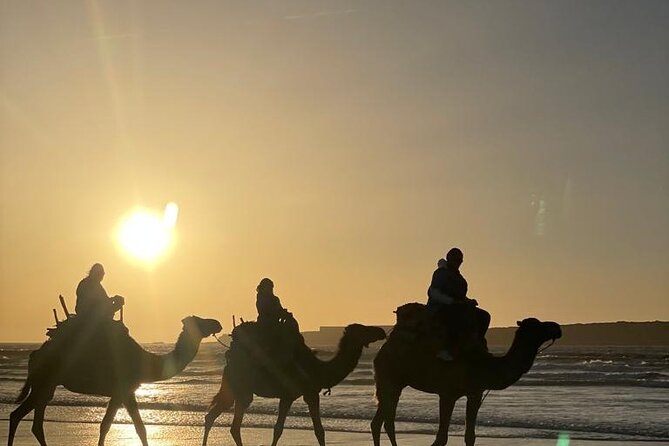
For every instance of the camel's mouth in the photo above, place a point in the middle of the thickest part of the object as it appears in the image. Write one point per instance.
(203, 327)
(378, 334)
(216, 327)
(556, 331)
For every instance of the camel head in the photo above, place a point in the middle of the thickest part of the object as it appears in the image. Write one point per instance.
(359, 334)
(539, 331)
(201, 328)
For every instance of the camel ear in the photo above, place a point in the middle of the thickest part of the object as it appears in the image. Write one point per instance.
(518, 323)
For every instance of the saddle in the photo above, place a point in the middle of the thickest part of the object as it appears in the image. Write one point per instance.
(78, 326)
(268, 345)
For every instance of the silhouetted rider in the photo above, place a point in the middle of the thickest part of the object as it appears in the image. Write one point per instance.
(92, 299)
(277, 325)
(448, 285)
(466, 325)
(268, 305)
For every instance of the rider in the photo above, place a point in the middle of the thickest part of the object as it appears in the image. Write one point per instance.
(268, 305)
(277, 325)
(466, 324)
(92, 299)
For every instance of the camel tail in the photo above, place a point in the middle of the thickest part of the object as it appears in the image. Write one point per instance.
(25, 390)
(224, 399)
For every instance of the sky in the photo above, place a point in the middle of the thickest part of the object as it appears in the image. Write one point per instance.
(339, 148)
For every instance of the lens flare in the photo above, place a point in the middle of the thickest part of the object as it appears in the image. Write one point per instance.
(170, 215)
(563, 439)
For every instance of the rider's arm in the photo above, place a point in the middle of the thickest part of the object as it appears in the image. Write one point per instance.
(435, 292)
(437, 296)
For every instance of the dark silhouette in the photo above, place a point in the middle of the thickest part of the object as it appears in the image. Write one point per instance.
(463, 324)
(107, 363)
(251, 369)
(93, 303)
(408, 359)
(268, 305)
(277, 325)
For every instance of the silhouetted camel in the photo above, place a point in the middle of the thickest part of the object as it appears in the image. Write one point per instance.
(115, 371)
(402, 363)
(250, 371)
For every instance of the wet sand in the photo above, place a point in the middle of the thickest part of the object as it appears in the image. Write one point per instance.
(58, 433)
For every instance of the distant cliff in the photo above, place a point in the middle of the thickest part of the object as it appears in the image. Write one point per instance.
(605, 333)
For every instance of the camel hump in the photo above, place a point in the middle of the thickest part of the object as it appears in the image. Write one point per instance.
(277, 343)
(247, 328)
(410, 315)
(78, 326)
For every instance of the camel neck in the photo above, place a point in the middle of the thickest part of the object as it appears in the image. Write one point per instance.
(333, 371)
(508, 369)
(167, 365)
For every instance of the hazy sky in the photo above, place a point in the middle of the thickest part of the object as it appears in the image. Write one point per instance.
(339, 148)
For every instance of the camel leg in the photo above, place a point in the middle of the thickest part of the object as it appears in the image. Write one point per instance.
(112, 407)
(241, 404)
(376, 424)
(38, 423)
(284, 407)
(473, 406)
(389, 412)
(216, 410)
(130, 404)
(17, 415)
(313, 402)
(446, 406)
(37, 400)
(383, 390)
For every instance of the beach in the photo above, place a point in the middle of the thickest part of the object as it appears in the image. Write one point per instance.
(607, 395)
(59, 433)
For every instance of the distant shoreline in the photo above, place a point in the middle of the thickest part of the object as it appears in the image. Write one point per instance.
(622, 333)
(652, 333)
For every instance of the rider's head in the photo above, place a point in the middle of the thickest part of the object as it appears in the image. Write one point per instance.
(454, 257)
(265, 286)
(97, 272)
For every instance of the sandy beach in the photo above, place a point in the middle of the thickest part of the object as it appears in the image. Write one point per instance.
(59, 433)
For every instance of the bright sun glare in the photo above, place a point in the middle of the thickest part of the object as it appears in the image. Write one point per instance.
(146, 235)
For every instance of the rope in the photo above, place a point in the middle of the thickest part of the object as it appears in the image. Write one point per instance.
(484, 397)
(546, 348)
(221, 342)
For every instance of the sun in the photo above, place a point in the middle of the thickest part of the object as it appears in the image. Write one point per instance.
(147, 235)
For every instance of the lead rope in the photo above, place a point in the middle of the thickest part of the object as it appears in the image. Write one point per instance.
(540, 351)
(221, 342)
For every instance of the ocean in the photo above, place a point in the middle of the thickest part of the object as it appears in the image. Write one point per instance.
(597, 393)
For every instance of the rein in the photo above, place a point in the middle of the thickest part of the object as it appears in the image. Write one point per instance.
(220, 342)
(540, 351)
(546, 348)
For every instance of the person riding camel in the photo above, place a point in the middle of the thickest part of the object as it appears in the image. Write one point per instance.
(268, 305)
(277, 324)
(466, 324)
(93, 303)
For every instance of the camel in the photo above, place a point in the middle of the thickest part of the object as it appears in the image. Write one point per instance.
(111, 364)
(406, 360)
(251, 370)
